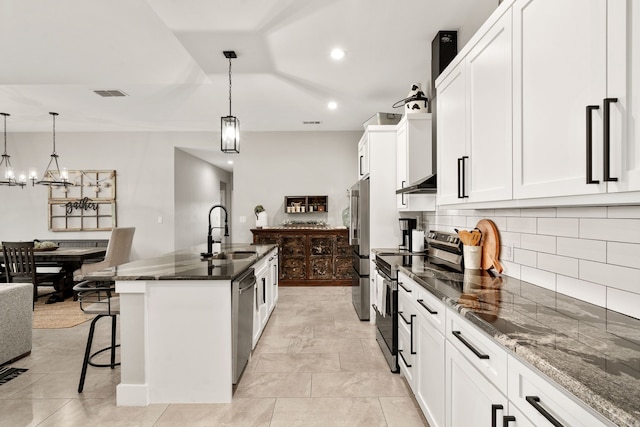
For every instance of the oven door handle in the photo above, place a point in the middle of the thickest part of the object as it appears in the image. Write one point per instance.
(375, 307)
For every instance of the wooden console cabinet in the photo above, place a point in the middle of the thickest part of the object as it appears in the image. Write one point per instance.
(310, 256)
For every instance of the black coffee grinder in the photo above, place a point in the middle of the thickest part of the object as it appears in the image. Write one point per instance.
(407, 225)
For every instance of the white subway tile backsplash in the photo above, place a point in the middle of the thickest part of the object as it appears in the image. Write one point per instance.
(594, 250)
(511, 269)
(623, 212)
(507, 237)
(582, 212)
(624, 302)
(614, 276)
(522, 225)
(525, 257)
(626, 254)
(540, 278)
(558, 264)
(567, 227)
(535, 242)
(590, 253)
(583, 290)
(618, 230)
(538, 212)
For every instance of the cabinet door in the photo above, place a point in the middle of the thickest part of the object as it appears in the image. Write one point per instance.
(560, 57)
(489, 167)
(470, 398)
(401, 165)
(451, 134)
(624, 84)
(363, 157)
(431, 372)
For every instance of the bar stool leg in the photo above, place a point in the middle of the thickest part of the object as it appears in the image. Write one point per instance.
(87, 353)
(113, 342)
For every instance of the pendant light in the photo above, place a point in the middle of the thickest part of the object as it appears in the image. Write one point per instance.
(230, 125)
(8, 177)
(52, 177)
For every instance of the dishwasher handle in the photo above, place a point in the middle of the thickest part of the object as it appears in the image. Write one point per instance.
(247, 281)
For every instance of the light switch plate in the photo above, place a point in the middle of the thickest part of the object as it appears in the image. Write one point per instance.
(243, 219)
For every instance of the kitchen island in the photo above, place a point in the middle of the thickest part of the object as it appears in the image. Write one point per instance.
(176, 324)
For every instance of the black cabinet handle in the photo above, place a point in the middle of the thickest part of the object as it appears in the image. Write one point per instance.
(507, 419)
(464, 190)
(360, 165)
(590, 109)
(494, 414)
(408, 322)
(405, 289)
(535, 402)
(421, 302)
(264, 290)
(606, 117)
(403, 359)
(460, 195)
(475, 351)
(402, 195)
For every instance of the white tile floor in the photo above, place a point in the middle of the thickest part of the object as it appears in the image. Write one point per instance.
(315, 365)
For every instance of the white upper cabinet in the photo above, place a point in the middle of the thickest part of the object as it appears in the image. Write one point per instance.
(560, 68)
(474, 129)
(363, 156)
(414, 160)
(624, 67)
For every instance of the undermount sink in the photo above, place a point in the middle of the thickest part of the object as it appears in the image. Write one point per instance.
(234, 255)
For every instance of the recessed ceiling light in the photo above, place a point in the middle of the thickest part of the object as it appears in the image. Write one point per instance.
(332, 105)
(337, 54)
(229, 162)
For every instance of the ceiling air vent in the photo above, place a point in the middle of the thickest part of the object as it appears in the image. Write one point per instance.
(311, 122)
(109, 93)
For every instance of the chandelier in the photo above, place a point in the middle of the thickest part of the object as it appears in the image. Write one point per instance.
(8, 177)
(52, 177)
(230, 125)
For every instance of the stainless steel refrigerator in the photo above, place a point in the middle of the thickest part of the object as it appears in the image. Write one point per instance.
(359, 241)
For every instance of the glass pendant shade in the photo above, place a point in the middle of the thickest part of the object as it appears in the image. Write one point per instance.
(230, 134)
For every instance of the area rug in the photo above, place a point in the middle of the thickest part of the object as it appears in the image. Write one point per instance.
(66, 314)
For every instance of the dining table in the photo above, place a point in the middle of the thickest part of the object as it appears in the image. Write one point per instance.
(69, 259)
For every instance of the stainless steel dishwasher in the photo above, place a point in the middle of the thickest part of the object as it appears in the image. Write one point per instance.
(242, 321)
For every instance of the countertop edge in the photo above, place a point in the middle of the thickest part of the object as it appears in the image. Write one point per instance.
(581, 391)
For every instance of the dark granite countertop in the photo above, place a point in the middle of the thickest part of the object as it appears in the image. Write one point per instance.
(592, 352)
(187, 264)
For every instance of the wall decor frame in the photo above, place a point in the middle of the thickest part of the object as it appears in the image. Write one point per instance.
(88, 205)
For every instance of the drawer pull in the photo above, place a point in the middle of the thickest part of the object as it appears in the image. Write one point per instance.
(535, 402)
(405, 289)
(421, 302)
(507, 419)
(408, 322)
(403, 359)
(494, 414)
(475, 351)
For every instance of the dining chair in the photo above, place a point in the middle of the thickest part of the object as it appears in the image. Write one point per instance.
(20, 266)
(118, 252)
(98, 298)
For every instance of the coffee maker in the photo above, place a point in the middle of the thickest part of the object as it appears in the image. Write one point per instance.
(407, 225)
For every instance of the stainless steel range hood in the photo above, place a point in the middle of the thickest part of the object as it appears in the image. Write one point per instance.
(427, 185)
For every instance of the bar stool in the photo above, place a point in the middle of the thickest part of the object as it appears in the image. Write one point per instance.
(97, 298)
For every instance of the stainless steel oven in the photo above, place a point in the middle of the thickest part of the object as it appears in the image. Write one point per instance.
(387, 314)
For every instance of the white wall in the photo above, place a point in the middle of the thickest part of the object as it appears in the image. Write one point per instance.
(197, 188)
(272, 165)
(590, 253)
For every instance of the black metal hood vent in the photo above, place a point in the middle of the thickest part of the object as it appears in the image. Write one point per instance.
(427, 185)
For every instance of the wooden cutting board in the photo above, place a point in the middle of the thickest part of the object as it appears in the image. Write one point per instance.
(490, 245)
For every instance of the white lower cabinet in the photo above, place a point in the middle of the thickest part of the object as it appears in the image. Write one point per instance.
(545, 404)
(461, 377)
(431, 369)
(265, 293)
(471, 399)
